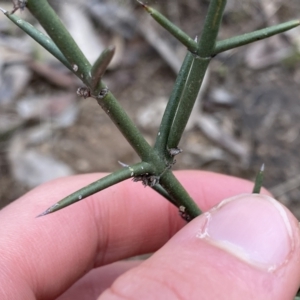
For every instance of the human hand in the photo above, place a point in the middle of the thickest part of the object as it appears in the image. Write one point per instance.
(72, 252)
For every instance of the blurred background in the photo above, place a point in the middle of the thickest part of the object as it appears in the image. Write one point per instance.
(248, 112)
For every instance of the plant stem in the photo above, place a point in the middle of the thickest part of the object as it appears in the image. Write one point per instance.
(99, 185)
(100, 66)
(200, 63)
(177, 191)
(40, 37)
(160, 190)
(187, 102)
(259, 180)
(61, 37)
(211, 28)
(117, 114)
(254, 36)
(180, 35)
(170, 111)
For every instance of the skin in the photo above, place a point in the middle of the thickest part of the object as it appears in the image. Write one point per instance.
(75, 253)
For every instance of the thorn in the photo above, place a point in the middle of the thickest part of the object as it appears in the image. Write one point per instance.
(259, 180)
(3, 10)
(111, 48)
(42, 214)
(48, 210)
(148, 9)
(100, 67)
(123, 165)
(140, 2)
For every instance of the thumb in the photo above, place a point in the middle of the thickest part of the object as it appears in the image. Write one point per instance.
(247, 247)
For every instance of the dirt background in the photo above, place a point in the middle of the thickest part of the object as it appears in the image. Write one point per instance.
(250, 103)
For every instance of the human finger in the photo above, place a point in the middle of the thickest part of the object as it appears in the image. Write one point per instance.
(47, 255)
(245, 248)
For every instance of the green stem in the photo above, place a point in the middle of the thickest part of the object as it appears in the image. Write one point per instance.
(180, 35)
(259, 180)
(200, 63)
(170, 111)
(211, 28)
(187, 102)
(117, 114)
(61, 37)
(40, 37)
(100, 66)
(177, 191)
(160, 190)
(114, 110)
(254, 36)
(99, 185)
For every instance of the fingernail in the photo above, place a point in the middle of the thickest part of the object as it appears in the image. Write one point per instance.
(253, 227)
